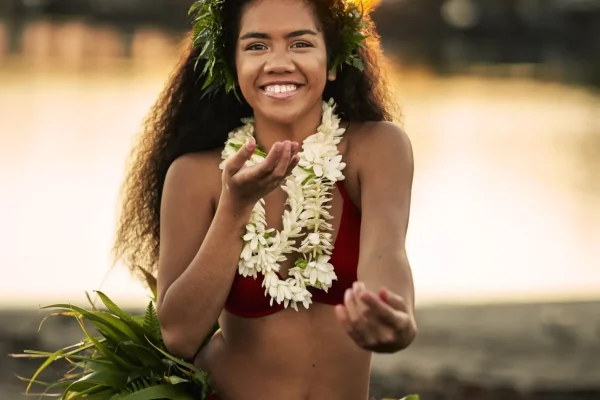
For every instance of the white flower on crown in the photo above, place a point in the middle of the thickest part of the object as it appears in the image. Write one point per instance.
(308, 189)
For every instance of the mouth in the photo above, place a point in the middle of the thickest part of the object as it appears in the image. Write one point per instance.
(281, 90)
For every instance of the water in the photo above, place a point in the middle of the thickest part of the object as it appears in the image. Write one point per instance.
(506, 201)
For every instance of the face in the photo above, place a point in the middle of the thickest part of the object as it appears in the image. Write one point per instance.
(281, 59)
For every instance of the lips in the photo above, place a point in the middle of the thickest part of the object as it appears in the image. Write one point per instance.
(281, 89)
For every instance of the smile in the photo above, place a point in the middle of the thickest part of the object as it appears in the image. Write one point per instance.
(281, 91)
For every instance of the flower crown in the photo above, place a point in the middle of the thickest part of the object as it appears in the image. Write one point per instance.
(208, 36)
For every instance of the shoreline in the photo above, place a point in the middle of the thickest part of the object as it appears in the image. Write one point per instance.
(502, 351)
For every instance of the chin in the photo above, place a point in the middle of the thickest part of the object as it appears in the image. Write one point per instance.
(282, 117)
(286, 111)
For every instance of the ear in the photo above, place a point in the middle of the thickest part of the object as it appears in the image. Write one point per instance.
(332, 74)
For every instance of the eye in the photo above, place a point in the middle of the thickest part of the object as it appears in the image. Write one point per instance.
(256, 46)
(302, 44)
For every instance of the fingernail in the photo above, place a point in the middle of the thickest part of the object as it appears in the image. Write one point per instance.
(347, 295)
(249, 143)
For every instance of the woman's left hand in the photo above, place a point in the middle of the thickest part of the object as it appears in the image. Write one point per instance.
(377, 322)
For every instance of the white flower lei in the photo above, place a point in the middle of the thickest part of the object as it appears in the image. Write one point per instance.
(308, 189)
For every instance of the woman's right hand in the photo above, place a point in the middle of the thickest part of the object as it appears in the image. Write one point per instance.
(244, 186)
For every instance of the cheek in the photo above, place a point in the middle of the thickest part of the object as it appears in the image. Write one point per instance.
(318, 71)
(246, 73)
(320, 67)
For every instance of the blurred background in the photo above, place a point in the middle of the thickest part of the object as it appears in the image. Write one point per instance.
(501, 99)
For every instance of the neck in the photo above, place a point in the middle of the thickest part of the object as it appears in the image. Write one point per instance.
(268, 132)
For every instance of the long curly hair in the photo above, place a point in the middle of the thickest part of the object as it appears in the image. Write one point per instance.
(183, 121)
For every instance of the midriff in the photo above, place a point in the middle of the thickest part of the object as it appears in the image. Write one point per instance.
(288, 355)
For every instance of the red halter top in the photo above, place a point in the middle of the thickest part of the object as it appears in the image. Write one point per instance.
(247, 296)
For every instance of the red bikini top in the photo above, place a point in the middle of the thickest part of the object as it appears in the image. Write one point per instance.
(247, 298)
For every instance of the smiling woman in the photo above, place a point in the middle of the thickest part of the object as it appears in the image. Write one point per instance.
(283, 68)
(320, 277)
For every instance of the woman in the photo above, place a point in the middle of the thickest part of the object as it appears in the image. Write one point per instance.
(301, 307)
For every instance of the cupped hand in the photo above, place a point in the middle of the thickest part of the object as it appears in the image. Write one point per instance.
(247, 185)
(376, 322)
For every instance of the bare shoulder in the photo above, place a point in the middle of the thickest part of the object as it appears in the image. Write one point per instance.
(187, 207)
(366, 136)
(192, 163)
(384, 141)
(194, 174)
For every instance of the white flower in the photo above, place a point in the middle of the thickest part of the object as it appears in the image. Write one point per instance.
(300, 174)
(309, 192)
(319, 241)
(246, 252)
(313, 238)
(332, 168)
(271, 278)
(254, 236)
(246, 268)
(323, 270)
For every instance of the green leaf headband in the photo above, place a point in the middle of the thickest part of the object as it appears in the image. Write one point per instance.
(208, 36)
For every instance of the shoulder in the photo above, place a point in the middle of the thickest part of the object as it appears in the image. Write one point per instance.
(380, 145)
(194, 174)
(192, 164)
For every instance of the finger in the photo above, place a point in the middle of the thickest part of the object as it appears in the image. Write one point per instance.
(369, 325)
(295, 148)
(359, 288)
(341, 311)
(272, 159)
(380, 310)
(368, 313)
(342, 316)
(293, 163)
(396, 301)
(284, 161)
(352, 307)
(265, 167)
(237, 161)
(295, 157)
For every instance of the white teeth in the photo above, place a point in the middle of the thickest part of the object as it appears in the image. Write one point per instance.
(280, 88)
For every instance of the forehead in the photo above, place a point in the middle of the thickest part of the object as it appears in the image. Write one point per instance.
(278, 16)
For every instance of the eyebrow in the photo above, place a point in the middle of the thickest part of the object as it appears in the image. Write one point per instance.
(261, 35)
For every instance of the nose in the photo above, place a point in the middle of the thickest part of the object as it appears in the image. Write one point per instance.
(279, 62)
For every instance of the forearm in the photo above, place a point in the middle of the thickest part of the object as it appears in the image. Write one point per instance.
(393, 273)
(195, 300)
(390, 269)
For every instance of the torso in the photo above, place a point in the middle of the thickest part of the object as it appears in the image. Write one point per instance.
(286, 353)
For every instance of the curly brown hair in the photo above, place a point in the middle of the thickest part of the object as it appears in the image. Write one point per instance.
(183, 121)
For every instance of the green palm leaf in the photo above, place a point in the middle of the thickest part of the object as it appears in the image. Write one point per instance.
(142, 355)
(170, 392)
(118, 361)
(112, 307)
(112, 325)
(151, 324)
(127, 360)
(42, 367)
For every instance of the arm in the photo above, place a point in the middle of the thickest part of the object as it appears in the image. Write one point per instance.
(378, 311)
(198, 254)
(386, 187)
